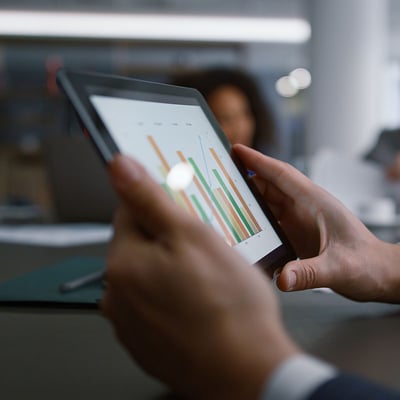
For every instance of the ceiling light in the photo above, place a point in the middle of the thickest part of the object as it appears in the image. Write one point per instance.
(152, 27)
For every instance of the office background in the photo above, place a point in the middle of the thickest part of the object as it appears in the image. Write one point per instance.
(350, 47)
(352, 50)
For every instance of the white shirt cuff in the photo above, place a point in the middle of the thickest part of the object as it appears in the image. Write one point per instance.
(297, 378)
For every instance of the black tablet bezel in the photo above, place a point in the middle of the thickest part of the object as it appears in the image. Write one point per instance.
(75, 85)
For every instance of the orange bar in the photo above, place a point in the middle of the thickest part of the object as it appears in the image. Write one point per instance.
(196, 181)
(233, 214)
(249, 219)
(235, 189)
(168, 168)
(235, 226)
(158, 152)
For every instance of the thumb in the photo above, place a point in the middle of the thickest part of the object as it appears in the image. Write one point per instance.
(301, 275)
(149, 204)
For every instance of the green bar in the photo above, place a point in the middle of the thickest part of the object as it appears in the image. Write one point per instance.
(232, 200)
(214, 200)
(200, 209)
(243, 210)
(230, 216)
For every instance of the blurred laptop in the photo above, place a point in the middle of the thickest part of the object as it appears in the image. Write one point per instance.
(79, 183)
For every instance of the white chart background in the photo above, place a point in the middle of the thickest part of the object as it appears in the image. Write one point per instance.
(186, 128)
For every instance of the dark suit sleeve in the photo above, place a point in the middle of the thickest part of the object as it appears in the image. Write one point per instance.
(348, 387)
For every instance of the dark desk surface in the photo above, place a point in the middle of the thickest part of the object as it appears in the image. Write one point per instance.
(60, 354)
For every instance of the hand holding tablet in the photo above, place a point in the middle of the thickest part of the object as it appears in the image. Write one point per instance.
(171, 131)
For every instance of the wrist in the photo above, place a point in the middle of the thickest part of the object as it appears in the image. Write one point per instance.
(389, 268)
(370, 272)
(249, 373)
(276, 355)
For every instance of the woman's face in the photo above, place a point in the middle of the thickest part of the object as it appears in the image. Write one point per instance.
(232, 110)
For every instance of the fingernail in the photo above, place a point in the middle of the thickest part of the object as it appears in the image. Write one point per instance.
(291, 280)
(276, 274)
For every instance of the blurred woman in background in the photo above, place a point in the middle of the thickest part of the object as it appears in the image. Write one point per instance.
(238, 105)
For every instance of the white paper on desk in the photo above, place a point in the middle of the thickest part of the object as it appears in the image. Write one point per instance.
(56, 235)
(352, 180)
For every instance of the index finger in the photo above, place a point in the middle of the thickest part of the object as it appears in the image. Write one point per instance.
(281, 174)
(150, 205)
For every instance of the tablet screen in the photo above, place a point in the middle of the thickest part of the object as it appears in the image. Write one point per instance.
(175, 141)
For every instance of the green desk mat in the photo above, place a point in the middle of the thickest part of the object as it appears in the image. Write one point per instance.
(40, 288)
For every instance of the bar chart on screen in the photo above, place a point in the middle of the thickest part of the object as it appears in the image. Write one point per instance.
(178, 141)
(213, 197)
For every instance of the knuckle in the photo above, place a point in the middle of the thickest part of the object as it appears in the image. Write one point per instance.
(309, 276)
(186, 223)
(188, 230)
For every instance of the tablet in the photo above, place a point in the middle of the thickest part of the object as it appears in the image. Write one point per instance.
(173, 133)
